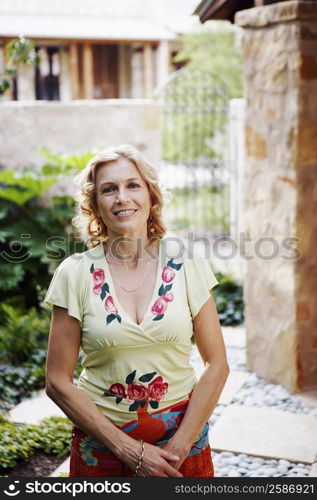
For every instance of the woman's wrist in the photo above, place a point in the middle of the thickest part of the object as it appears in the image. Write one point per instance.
(177, 447)
(127, 450)
(139, 464)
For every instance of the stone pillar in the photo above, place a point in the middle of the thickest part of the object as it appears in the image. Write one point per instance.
(125, 71)
(26, 82)
(148, 70)
(65, 83)
(88, 71)
(137, 90)
(162, 62)
(74, 69)
(280, 66)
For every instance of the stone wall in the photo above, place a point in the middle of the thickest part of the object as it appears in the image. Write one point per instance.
(280, 65)
(77, 126)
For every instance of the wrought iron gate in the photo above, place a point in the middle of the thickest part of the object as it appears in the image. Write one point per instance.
(195, 153)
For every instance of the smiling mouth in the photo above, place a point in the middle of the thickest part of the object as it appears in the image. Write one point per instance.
(124, 213)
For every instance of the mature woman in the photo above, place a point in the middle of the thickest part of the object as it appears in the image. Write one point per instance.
(133, 303)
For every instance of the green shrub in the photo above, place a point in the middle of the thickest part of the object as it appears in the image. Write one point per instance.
(55, 433)
(18, 443)
(17, 383)
(21, 333)
(228, 297)
(34, 235)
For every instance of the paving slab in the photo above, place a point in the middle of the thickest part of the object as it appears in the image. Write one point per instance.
(266, 433)
(32, 410)
(234, 336)
(233, 384)
(62, 469)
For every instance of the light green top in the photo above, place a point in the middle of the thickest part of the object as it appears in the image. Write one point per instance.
(149, 361)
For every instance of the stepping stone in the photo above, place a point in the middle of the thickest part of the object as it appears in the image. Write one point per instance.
(62, 470)
(233, 384)
(266, 433)
(32, 410)
(234, 336)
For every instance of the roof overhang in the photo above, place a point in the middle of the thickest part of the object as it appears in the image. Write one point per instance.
(220, 9)
(81, 28)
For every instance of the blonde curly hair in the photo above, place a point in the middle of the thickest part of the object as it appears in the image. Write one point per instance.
(90, 227)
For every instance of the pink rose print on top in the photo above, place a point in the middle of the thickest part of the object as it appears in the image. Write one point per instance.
(98, 275)
(159, 306)
(97, 289)
(168, 297)
(139, 394)
(157, 389)
(118, 389)
(109, 305)
(168, 274)
(165, 295)
(101, 288)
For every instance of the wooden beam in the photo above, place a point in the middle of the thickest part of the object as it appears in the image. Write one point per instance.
(73, 62)
(148, 70)
(88, 71)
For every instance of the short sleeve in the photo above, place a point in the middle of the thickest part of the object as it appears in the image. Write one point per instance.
(66, 287)
(200, 279)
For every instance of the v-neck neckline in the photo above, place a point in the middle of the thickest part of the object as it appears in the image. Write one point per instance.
(114, 293)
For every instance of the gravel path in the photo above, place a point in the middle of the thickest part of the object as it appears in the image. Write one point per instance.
(256, 392)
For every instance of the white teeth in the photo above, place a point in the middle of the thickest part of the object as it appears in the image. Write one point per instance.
(125, 212)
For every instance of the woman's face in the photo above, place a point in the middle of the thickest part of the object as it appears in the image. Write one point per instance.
(123, 198)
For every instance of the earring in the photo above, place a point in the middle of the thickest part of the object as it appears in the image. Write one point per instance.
(152, 230)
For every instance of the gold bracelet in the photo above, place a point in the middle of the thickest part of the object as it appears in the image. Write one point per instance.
(140, 459)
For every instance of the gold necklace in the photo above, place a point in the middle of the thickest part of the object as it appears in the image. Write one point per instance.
(125, 289)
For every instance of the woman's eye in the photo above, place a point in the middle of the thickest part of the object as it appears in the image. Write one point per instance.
(134, 185)
(108, 189)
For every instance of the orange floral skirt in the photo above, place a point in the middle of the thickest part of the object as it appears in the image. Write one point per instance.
(89, 458)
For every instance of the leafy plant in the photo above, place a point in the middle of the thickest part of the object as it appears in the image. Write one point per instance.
(21, 334)
(55, 433)
(229, 300)
(18, 51)
(34, 236)
(64, 164)
(18, 382)
(18, 443)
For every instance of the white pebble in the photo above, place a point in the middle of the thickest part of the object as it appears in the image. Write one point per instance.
(283, 462)
(281, 469)
(227, 454)
(233, 461)
(254, 466)
(268, 471)
(234, 473)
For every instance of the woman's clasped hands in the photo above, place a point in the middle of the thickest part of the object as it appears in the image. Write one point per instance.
(156, 462)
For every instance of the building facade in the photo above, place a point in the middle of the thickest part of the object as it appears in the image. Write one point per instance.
(90, 50)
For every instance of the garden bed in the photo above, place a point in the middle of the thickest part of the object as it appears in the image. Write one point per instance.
(38, 465)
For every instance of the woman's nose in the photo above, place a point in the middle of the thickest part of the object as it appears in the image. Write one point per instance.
(122, 194)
